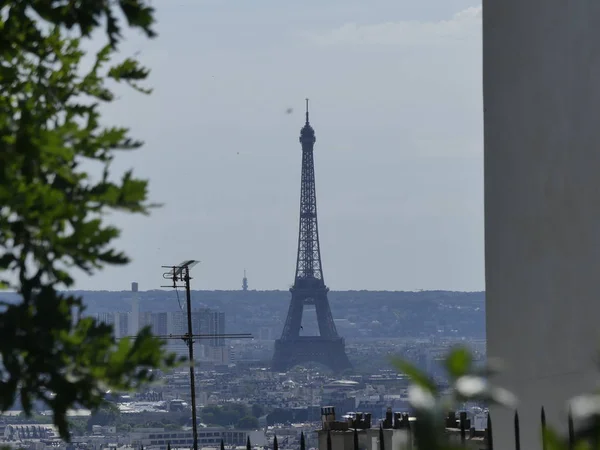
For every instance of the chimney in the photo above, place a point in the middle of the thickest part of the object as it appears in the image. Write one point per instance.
(134, 286)
(397, 420)
(404, 421)
(451, 420)
(367, 421)
(389, 418)
(359, 419)
(327, 415)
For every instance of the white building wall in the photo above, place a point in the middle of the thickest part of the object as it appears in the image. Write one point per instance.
(542, 204)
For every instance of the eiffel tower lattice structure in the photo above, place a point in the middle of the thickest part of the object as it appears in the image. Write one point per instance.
(309, 285)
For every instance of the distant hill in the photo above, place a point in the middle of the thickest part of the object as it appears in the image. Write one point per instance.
(366, 313)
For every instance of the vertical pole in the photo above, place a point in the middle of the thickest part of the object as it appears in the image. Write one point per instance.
(190, 343)
(490, 435)
(571, 431)
(463, 431)
(517, 432)
(543, 420)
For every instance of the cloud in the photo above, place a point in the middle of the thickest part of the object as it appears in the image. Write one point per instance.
(463, 26)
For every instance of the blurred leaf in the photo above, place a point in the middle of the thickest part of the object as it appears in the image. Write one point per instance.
(417, 376)
(470, 386)
(421, 398)
(553, 440)
(504, 397)
(459, 362)
(585, 406)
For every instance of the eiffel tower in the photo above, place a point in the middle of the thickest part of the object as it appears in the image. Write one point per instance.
(309, 285)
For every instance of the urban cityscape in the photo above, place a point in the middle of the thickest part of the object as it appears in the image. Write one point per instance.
(349, 225)
(317, 352)
(238, 394)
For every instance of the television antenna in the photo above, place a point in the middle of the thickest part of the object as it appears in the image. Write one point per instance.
(180, 274)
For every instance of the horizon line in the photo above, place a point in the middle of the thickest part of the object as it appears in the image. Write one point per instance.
(7, 291)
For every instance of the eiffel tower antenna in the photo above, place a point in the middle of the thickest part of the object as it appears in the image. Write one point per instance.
(245, 282)
(307, 111)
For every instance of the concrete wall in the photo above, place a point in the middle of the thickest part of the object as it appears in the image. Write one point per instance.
(542, 203)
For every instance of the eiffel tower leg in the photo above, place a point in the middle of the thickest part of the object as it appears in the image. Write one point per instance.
(327, 327)
(293, 321)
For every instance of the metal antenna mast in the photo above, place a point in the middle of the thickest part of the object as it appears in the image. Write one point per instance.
(181, 274)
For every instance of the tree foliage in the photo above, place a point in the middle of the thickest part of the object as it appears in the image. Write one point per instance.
(106, 414)
(247, 423)
(51, 209)
(258, 410)
(236, 414)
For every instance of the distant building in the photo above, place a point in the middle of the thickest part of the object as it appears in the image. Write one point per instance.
(121, 324)
(145, 319)
(160, 323)
(218, 355)
(394, 431)
(216, 326)
(134, 318)
(205, 322)
(107, 318)
(159, 438)
(245, 282)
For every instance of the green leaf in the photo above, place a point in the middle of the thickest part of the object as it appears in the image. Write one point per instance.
(459, 362)
(417, 376)
(553, 441)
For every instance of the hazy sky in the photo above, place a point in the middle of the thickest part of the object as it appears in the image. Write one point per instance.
(396, 103)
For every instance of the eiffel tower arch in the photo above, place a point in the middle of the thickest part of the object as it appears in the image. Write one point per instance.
(309, 286)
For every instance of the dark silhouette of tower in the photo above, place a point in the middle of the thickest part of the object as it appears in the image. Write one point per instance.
(245, 282)
(309, 285)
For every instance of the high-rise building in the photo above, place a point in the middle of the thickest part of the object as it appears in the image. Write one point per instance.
(161, 323)
(121, 324)
(216, 325)
(134, 318)
(145, 319)
(107, 318)
(205, 321)
(179, 322)
(119, 321)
